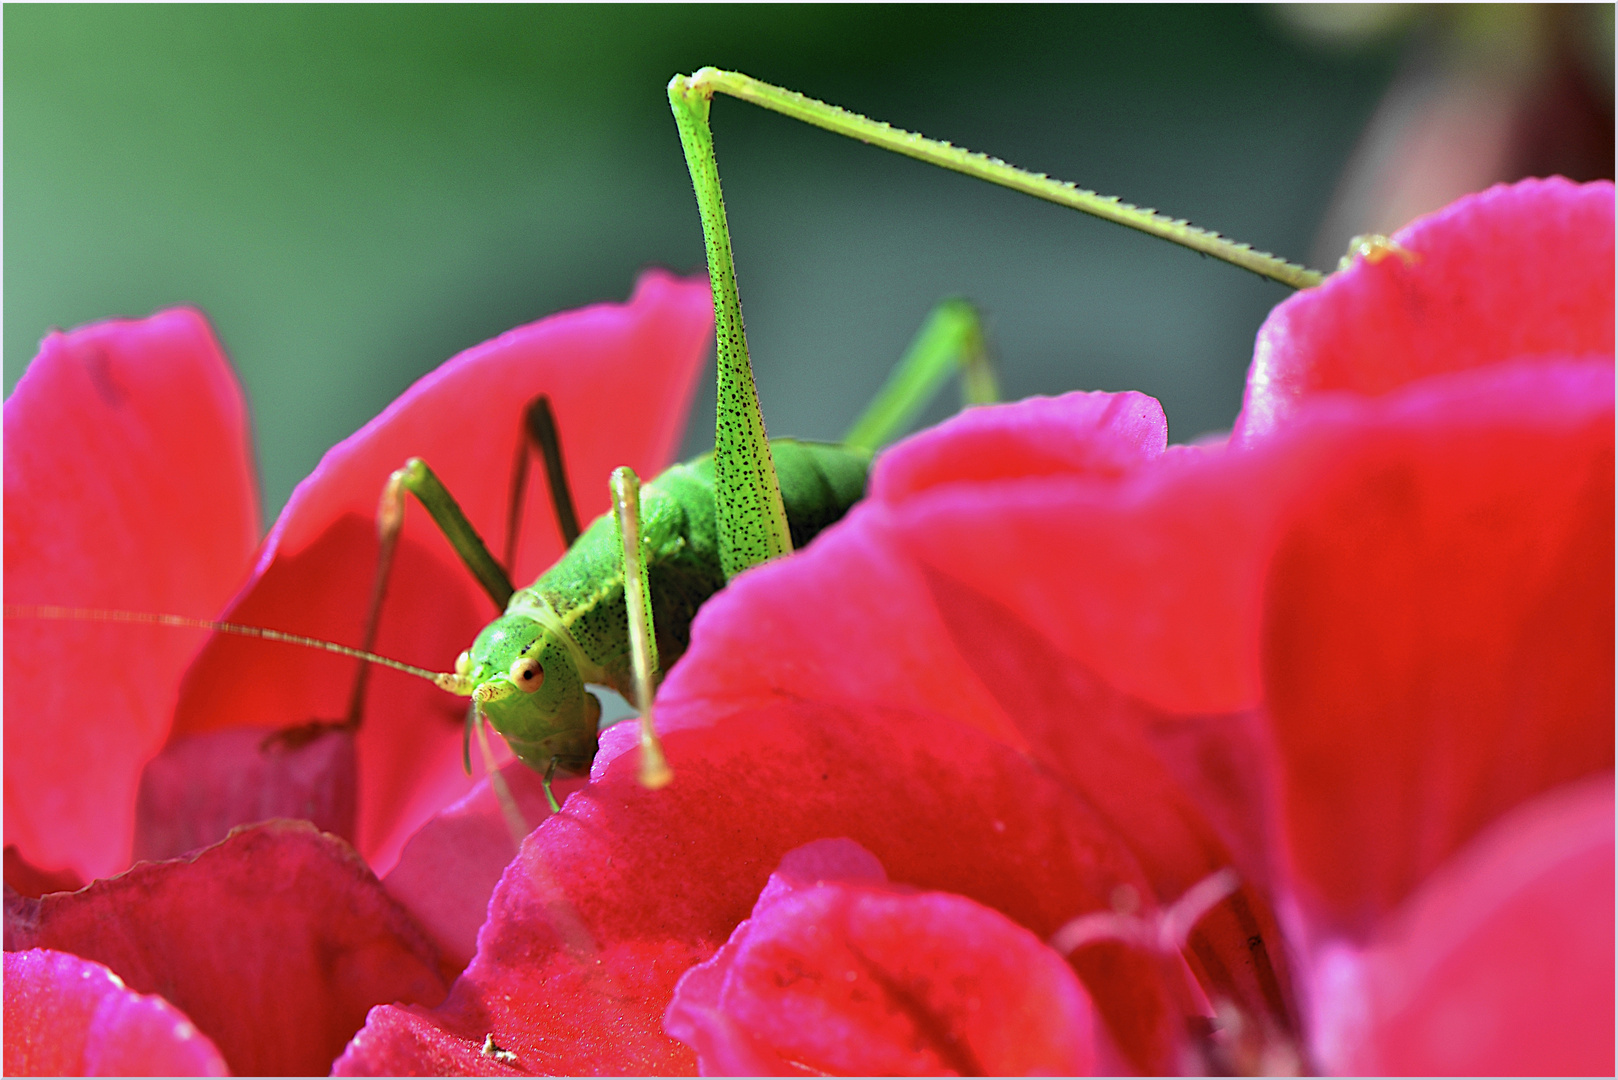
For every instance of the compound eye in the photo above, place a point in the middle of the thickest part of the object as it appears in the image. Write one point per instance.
(526, 674)
(463, 664)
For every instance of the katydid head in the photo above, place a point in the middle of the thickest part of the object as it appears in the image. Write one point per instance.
(525, 681)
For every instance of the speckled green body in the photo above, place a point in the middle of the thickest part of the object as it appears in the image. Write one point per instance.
(573, 621)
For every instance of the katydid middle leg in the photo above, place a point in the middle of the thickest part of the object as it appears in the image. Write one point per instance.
(542, 435)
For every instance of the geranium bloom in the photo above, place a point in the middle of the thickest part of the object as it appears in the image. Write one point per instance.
(1051, 683)
(128, 487)
(1056, 671)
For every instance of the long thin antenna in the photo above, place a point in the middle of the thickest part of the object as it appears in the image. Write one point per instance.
(446, 681)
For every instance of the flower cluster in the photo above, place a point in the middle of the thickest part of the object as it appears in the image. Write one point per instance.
(1068, 750)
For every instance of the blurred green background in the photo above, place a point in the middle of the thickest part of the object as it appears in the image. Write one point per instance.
(354, 194)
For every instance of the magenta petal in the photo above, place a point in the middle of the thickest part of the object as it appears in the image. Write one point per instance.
(856, 976)
(401, 1042)
(448, 870)
(835, 859)
(615, 898)
(71, 1017)
(619, 377)
(1090, 434)
(128, 485)
(1439, 636)
(26, 879)
(1501, 963)
(199, 787)
(408, 750)
(275, 943)
(723, 1046)
(1151, 581)
(1514, 272)
(1061, 616)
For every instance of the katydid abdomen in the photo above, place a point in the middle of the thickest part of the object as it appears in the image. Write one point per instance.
(571, 627)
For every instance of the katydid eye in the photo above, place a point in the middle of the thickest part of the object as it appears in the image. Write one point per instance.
(463, 664)
(526, 674)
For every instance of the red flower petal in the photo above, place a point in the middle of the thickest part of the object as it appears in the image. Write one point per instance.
(1500, 963)
(202, 786)
(1093, 434)
(842, 974)
(128, 485)
(26, 879)
(1439, 638)
(1514, 272)
(1150, 581)
(619, 377)
(449, 869)
(399, 1042)
(613, 899)
(408, 753)
(274, 942)
(71, 1017)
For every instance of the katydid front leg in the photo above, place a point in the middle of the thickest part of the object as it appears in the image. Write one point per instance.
(539, 435)
(654, 766)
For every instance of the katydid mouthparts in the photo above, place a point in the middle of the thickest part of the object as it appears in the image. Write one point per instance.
(616, 609)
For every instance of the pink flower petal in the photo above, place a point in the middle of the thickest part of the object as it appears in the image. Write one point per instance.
(199, 787)
(1439, 636)
(449, 869)
(1095, 434)
(1012, 609)
(1500, 963)
(274, 942)
(71, 1017)
(398, 1042)
(613, 899)
(619, 377)
(26, 879)
(129, 485)
(408, 752)
(833, 975)
(785, 675)
(1151, 580)
(1514, 272)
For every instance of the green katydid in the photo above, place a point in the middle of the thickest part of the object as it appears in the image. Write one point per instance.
(628, 587)
(752, 512)
(621, 599)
